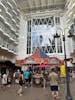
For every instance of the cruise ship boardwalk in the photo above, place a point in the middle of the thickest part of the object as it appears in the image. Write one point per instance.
(34, 93)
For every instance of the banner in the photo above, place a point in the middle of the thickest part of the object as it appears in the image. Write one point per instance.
(62, 71)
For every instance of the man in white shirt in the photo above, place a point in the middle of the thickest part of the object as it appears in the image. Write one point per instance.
(4, 80)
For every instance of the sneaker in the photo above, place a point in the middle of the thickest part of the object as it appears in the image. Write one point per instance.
(20, 94)
(25, 86)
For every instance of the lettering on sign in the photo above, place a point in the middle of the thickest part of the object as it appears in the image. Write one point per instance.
(29, 60)
(54, 61)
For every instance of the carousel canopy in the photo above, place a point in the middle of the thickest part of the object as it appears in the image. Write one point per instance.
(42, 66)
(39, 57)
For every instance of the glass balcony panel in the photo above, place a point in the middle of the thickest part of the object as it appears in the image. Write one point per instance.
(17, 11)
(9, 6)
(12, 35)
(0, 40)
(12, 3)
(13, 25)
(73, 46)
(9, 46)
(8, 19)
(4, 43)
(18, 21)
(14, 16)
(4, 2)
(2, 10)
(7, 30)
(2, 25)
(10, 11)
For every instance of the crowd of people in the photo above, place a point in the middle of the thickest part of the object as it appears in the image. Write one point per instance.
(38, 77)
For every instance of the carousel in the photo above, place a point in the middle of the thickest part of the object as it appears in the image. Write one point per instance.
(41, 64)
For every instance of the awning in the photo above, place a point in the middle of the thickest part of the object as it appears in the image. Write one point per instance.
(39, 57)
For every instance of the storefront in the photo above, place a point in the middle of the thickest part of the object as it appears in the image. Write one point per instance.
(7, 67)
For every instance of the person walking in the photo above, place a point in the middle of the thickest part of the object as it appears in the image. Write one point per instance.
(53, 77)
(26, 77)
(4, 80)
(21, 79)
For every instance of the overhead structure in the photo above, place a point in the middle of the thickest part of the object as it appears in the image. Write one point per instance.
(40, 5)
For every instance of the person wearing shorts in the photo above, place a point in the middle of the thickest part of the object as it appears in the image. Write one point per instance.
(21, 78)
(26, 77)
(53, 76)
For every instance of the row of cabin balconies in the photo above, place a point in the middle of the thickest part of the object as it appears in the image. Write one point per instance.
(6, 31)
(71, 11)
(9, 4)
(6, 44)
(10, 17)
(8, 22)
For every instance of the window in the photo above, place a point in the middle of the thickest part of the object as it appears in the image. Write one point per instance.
(43, 29)
(59, 45)
(57, 20)
(29, 37)
(28, 50)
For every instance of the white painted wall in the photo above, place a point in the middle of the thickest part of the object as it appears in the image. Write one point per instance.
(22, 38)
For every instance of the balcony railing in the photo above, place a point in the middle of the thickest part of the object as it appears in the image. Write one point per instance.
(9, 5)
(3, 4)
(5, 45)
(73, 46)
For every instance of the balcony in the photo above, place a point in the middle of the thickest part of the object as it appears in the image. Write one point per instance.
(14, 12)
(14, 21)
(9, 5)
(13, 26)
(7, 45)
(8, 18)
(18, 17)
(13, 3)
(9, 51)
(4, 34)
(73, 6)
(5, 30)
(2, 18)
(8, 25)
(12, 49)
(14, 16)
(3, 5)
(9, 14)
(17, 27)
(2, 27)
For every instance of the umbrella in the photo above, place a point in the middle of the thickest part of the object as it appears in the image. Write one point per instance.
(42, 66)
